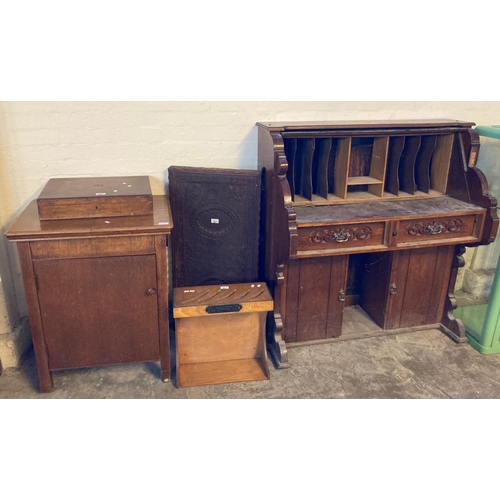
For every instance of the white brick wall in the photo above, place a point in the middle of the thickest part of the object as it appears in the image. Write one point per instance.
(40, 140)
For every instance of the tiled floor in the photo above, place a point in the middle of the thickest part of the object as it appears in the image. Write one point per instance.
(423, 364)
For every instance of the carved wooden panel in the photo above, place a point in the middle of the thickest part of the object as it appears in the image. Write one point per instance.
(216, 216)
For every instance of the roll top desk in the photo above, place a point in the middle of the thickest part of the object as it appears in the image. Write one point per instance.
(365, 226)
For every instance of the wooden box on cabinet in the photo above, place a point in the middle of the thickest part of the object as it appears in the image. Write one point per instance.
(96, 289)
(81, 198)
(220, 333)
(365, 226)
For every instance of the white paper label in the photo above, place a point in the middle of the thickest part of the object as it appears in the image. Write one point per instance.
(100, 194)
(214, 221)
(224, 288)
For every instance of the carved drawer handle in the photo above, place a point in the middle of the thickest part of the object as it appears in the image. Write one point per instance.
(342, 236)
(435, 228)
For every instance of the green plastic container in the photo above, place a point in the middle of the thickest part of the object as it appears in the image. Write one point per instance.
(482, 322)
(483, 335)
(493, 131)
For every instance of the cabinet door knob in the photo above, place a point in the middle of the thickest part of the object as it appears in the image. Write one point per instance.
(393, 289)
(150, 291)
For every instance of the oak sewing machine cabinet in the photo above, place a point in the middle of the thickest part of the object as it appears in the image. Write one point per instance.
(365, 226)
(93, 255)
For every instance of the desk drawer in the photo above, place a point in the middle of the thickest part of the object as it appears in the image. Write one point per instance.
(464, 227)
(341, 237)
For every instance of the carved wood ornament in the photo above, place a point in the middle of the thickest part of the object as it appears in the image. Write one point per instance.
(341, 235)
(434, 227)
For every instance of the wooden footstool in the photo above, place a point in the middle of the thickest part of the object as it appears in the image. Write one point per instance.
(220, 333)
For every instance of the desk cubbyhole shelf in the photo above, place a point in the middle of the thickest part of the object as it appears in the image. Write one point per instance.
(326, 170)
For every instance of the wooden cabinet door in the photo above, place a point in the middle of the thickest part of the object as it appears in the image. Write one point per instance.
(98, 311)
(417, 287)
(313, 306)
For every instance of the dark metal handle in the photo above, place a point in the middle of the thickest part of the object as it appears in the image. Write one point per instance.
(223, 308)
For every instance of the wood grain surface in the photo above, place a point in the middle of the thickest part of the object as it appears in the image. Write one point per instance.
(85, 197)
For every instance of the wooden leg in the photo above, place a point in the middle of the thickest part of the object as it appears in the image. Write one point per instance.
(42, 361)
(46, 382)
(163, 311)
(274, 325)
(450, 325)
(275, 344)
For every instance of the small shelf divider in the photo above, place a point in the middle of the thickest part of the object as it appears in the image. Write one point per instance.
(305, 160)
(362, 179)
(396, 146)
(407, 165)
(342, 161)
(320, 167)
(440, 164)
(331, 168)
(423, 163)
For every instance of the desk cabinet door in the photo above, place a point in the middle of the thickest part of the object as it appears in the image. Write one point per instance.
(315, 298)
(418, 286)
(98, 311)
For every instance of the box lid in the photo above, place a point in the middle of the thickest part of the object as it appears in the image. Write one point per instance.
(84, 197)
(221, 299)
(95, 187)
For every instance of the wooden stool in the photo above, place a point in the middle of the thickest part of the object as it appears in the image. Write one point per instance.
(220, 333)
